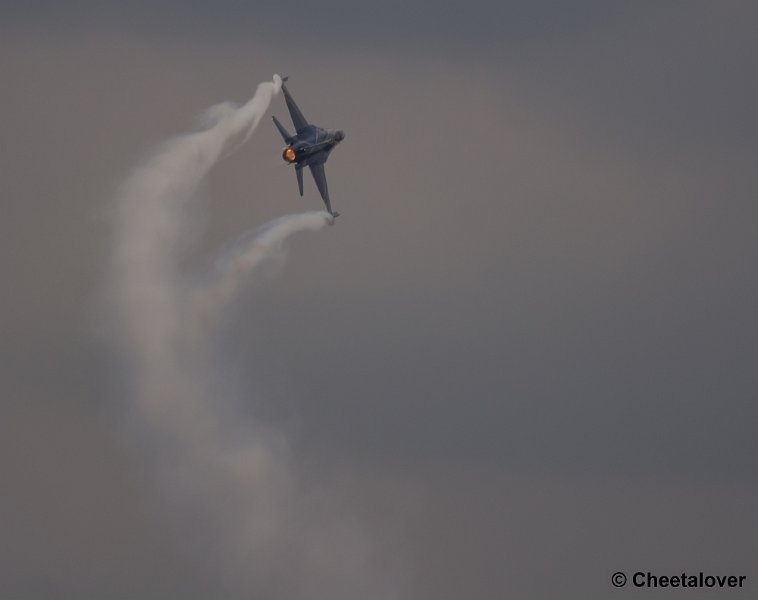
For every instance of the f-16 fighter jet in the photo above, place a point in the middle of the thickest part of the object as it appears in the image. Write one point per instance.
(309, 147)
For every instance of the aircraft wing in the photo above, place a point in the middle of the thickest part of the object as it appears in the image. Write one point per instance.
(319, 176)
(298, 120)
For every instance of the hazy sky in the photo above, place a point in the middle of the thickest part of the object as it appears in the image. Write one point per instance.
(525, 355)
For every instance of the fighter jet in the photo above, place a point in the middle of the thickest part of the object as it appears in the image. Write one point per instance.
(309, 147)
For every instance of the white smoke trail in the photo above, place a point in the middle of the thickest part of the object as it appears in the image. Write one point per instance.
(237, 476)
(248, 252)
(152, 215)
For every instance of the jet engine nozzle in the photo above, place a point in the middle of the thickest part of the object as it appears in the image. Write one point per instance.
(289, 155)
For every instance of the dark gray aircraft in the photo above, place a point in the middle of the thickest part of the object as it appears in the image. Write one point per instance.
(309, 147)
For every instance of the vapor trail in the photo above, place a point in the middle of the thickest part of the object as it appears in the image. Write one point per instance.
(236, 474)
(152, 217)
(234, 266)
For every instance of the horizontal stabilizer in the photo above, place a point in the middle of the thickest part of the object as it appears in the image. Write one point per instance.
(299, 173)
(283, 132)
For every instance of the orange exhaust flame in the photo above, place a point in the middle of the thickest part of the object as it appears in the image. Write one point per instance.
(289, 155)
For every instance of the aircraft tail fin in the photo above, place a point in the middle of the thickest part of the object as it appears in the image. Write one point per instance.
(282, 131)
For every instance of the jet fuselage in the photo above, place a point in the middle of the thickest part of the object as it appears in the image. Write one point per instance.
(312, 145)
(309, 147)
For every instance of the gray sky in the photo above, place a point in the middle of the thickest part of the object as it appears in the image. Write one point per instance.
(526, 353)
